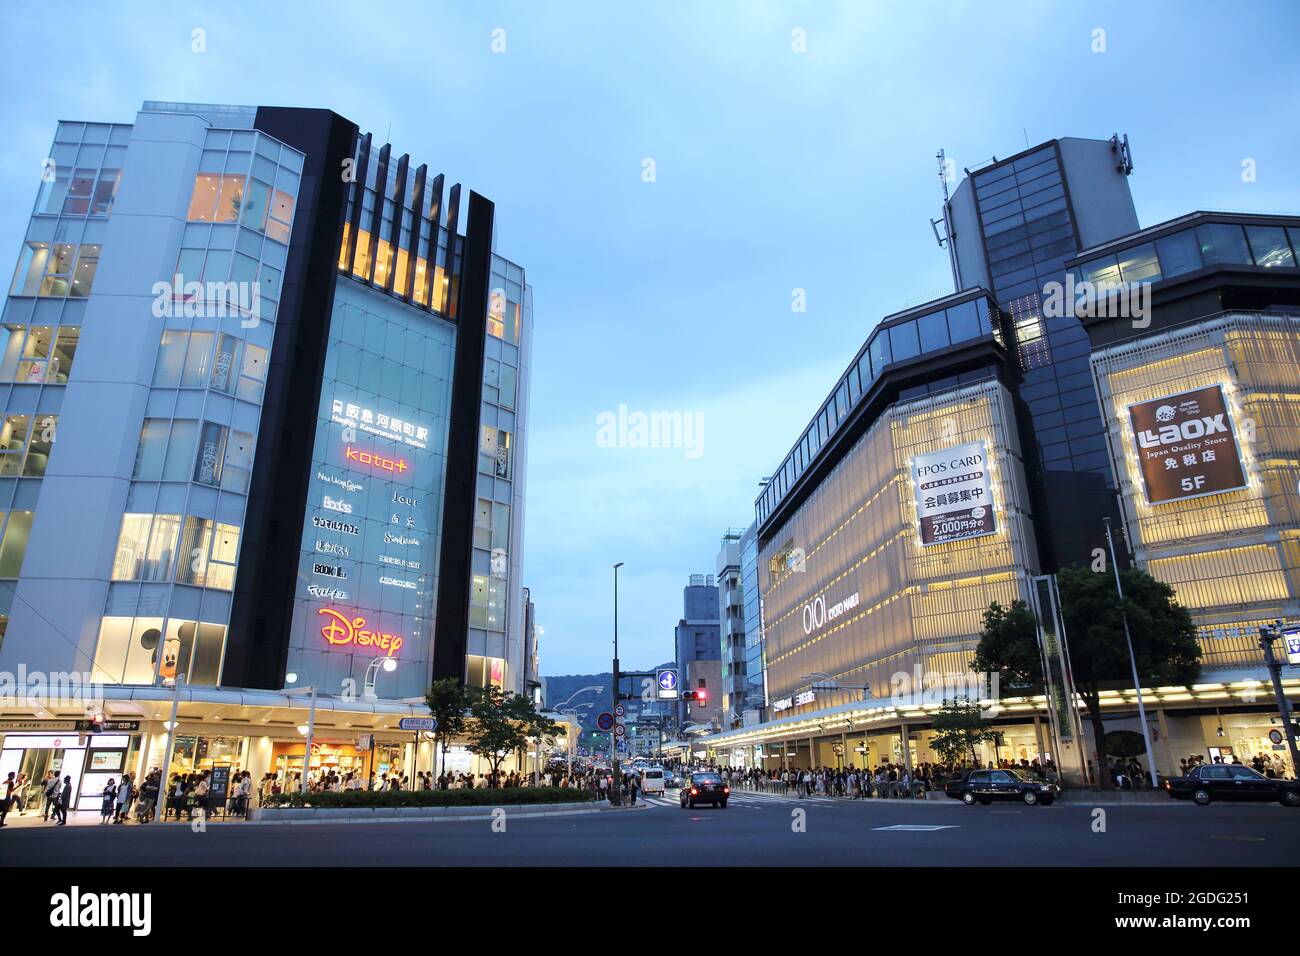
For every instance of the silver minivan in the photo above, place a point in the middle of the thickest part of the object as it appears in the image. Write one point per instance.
(652, 780)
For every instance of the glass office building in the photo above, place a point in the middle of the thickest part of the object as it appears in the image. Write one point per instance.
(265, 390)
(1162, 394)
(1013, 224)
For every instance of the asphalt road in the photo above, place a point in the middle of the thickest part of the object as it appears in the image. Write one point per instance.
(752, 831)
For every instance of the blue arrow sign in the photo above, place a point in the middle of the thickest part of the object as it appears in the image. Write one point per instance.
(418, 723)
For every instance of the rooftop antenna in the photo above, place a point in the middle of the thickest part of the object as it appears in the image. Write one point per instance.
(1123, 156)
(1025, 131)
(945, 240)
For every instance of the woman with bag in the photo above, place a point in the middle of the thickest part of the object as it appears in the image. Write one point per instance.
(109, 801)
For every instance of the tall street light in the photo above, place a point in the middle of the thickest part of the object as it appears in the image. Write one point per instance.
(616, 782)
(1132, 659)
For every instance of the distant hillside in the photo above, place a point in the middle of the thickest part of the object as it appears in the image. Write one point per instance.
(566, 691)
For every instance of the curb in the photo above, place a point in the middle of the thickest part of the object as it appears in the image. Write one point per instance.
(304, 815)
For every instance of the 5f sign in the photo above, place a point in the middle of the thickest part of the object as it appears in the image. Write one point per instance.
(1186, 446)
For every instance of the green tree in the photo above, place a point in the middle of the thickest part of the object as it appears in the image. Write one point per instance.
(447, 700)
(1009, 647)
(958, 727)
(1164, 638)
(501, 723)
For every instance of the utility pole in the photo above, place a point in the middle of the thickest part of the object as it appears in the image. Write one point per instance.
(1137, 684)
(1267, 635)
(616, 782)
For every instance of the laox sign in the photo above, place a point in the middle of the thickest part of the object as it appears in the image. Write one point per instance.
(1189, 430)
(340, 630)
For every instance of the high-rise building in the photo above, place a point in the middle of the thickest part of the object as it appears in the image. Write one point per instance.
(731, 618)
(755, 661)
(1013, 224)
(265, 389)
(1085, 370)
(698, 647)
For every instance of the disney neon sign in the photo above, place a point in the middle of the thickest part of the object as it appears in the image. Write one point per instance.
(339, 629)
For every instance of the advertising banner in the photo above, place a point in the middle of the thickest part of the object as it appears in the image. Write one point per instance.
(954, 498)
(1186, 445)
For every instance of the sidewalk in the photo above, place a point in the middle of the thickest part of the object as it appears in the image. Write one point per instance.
(91, 818)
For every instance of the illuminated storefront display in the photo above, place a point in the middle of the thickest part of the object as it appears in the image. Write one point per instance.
(397, 465)
(953, 496)
(367, 576)
(338, 629)
(1216, 528)
(378, 423)
(1186, 445)
(865, 578)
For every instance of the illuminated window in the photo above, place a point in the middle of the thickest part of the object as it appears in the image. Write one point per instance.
(13, 444)
(40, 446)
(26, 354)
(146, 547)
(217, 197)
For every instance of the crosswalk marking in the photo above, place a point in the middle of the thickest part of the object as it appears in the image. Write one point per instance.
(735, 799)
(924, 827)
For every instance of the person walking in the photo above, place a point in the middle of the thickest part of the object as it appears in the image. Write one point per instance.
(63, 801)
(20, 793)
(6, 797)
(124, 797)
(148, 796)
(50, 792)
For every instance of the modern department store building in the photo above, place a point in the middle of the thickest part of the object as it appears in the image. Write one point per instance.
(265, 388)
(977, 443)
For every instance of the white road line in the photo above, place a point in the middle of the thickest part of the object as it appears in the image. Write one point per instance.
(923, 827)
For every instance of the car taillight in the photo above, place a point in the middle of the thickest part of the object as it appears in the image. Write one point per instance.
(726, 790)
(694, 792)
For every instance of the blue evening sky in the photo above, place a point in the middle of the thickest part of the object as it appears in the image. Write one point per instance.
(774, 171)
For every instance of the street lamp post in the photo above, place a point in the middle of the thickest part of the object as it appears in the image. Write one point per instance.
(616, 771)
(1267, 635)
(171, 741)
(310, 690)
(1132, 659)
(387, 664)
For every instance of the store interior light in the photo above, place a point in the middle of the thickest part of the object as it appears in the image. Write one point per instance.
(291, 678)
(390, 665)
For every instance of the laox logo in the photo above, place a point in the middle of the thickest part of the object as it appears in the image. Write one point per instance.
(1189, 430)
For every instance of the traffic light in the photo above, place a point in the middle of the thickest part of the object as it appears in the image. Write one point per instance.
(701, 697)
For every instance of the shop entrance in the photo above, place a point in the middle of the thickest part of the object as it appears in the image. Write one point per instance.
(35, 764)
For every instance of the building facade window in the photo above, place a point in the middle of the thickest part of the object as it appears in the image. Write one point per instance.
(141, 650)
(146, 547)
(494, 452)
(56, 270)
(13, 544)
(37, 354)
(25, 444)
(208, 553)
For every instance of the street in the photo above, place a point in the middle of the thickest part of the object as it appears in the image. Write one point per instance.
(754, 830)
